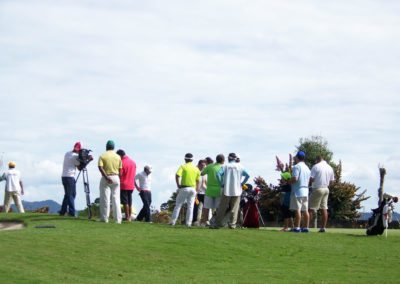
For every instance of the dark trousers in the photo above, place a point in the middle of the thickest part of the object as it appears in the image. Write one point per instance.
(200, 198)
(69, 196)
(145, 195)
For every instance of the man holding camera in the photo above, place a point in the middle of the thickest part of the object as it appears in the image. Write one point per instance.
(71, 162)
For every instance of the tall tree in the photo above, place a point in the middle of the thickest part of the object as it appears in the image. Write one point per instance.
(313, 147)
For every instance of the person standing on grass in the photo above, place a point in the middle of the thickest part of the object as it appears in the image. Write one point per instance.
(299, 196)
(14, 188)
(198, 205)
(127, 177)
(187, 180)
(230, 177)
(213, 190)
(143, 185)
(71, 162)
(285, 206)
(321, 177)
(110, 165)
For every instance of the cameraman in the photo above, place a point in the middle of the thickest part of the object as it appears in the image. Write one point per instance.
(71, 162)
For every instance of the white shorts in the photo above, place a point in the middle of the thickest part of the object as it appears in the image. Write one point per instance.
(298, 203)
(211, 202)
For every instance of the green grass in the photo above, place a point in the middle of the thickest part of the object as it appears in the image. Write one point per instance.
(82, 251)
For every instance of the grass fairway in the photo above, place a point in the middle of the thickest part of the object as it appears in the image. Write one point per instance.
(82, 251)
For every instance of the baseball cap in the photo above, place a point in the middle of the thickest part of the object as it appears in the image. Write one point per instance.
(77, 146)
(189, 156)
(300, 154)
(12, 164)
(110, 144)
(232, 156)
(286, 176)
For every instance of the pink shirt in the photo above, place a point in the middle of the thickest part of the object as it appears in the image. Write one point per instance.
(128, 173)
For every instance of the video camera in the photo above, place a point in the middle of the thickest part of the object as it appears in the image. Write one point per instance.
(84, 158)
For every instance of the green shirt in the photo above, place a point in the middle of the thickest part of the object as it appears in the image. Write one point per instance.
(213, 186)
(189, 174)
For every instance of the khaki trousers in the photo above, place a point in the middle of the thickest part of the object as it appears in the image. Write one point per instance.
(231, 202)
(16, 196)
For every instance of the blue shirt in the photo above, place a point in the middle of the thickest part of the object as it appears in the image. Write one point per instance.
(302, 174)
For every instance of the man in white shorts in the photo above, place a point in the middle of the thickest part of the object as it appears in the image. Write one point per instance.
(299, 196)
(321, 177)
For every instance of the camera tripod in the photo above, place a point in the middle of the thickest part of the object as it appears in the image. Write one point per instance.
(86, 188)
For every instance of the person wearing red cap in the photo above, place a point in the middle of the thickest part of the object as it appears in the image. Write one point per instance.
(70, 164)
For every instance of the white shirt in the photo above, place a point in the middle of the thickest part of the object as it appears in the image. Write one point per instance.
(143, 180)
(322, 173)
(70, 164)
(13, 178)
(202, 185)
(233, 173)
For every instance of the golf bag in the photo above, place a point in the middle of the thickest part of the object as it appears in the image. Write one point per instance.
(249, 205)
(381, 216)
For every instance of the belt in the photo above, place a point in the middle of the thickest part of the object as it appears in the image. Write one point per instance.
(112, 175)
(187, 185)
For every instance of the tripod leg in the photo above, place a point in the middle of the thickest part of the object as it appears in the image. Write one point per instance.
(259, 213)
(245, 215)
(87, 192)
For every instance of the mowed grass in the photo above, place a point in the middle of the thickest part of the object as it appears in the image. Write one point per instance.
(82, 251)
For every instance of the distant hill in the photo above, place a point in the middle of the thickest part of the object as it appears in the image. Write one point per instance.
(366, 215)
(29, 206)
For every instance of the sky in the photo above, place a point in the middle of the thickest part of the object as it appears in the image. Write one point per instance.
(163, 78)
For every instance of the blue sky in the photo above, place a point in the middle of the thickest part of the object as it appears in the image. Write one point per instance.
(163, 78)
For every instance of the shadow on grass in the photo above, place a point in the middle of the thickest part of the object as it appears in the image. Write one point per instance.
(36, 217)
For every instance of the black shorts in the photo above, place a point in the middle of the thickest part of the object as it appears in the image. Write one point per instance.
(200, 197)
(286, 212)
(126, 197)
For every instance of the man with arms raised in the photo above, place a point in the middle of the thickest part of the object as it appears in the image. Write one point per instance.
(321, 177)
(14, 188)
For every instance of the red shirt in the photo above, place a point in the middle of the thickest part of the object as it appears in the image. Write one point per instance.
(128, 173)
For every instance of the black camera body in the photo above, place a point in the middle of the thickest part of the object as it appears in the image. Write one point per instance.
(84, 158)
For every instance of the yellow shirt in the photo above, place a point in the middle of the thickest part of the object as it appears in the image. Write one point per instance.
(189, 174)
(110, 162)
